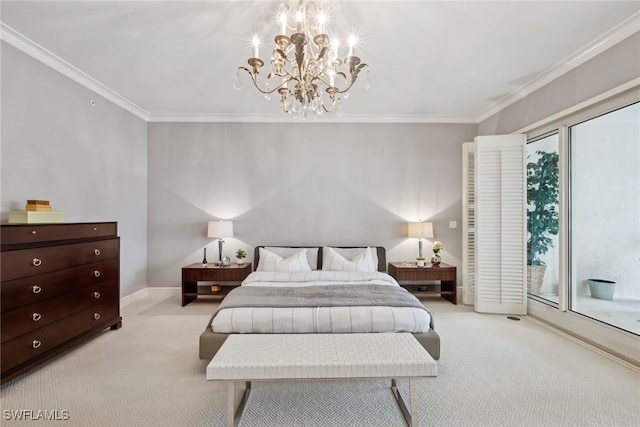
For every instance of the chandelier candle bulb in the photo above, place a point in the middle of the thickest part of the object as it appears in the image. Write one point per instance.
(321, 20)
(282, 19)
(352, 44)
(335, 44)
(256, 44)
(299, 21)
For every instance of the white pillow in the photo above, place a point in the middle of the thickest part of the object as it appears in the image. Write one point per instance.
(272, 262)
(286, 252)
(350, 253)
(333, 261)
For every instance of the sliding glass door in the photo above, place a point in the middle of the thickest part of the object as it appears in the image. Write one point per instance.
(543, 278)
(604, 221)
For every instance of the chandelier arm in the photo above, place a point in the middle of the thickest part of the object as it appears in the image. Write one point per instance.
(311, 4)
(347, 88)
(254, 79)
(358, 69)
(284, 72)
(288, 73)
(299, 42)
(354, 77)
(314, 67)
(319, 77)
(330, 109)
(322, 53)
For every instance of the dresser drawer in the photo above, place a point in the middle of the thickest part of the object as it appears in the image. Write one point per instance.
(36, 233)
(29, 290)
(35, 316)
(38, 342)
(29, 262)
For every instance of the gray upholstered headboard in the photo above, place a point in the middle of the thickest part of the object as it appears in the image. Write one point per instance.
(380, 251)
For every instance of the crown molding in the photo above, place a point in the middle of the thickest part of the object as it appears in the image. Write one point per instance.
(602, 43)
(328, 118)
(599, 45)
(603, 97)
(39, 53)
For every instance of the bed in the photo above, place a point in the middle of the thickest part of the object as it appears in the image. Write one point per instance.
(319, 289)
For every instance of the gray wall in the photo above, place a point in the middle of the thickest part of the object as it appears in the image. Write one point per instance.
(91, 162)
(298, 184)
(301, 183)
(613, 67)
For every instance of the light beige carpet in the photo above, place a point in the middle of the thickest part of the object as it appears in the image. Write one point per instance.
(493, 372)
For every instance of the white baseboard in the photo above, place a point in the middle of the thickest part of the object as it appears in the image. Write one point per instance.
(144, 292)
(584, 343)
(128, 299)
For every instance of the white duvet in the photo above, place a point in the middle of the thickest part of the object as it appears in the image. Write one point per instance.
(358, 319)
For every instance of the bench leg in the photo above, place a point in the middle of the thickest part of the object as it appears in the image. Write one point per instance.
(231, 404)
(410, 418)
(413, 401)
(233, 411)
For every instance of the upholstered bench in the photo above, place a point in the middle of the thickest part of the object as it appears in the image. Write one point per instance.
(271, 357)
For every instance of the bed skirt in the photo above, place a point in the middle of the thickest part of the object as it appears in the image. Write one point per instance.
(210, 343)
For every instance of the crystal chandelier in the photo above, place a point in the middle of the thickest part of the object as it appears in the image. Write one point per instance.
(307, 68)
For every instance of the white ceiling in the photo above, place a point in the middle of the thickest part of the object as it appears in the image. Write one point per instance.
(443, 61)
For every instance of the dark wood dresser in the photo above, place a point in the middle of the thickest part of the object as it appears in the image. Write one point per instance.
(60, 286)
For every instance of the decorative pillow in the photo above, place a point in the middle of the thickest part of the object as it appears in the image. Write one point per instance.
(333, 261)
(286, 252)
(350, 253)
(272, 262)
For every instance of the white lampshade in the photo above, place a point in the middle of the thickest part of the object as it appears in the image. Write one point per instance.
(421, 230)
(220, 229)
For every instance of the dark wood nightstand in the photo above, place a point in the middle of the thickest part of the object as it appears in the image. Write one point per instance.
(414, 279)
(227, 278)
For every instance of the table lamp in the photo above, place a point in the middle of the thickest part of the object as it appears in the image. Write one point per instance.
(219, 230)
(420, 230)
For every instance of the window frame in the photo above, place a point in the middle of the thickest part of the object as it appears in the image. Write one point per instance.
(597, 334)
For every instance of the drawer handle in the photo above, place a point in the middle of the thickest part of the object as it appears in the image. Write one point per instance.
(36, 344)
(96, 251)
(36, 262)
(33, 231)
(96, 294)
(96, 316)
(36, 289)
(95, 228)
(36, 316)
(96, 273)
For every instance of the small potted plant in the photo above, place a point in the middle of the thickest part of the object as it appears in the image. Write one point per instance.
(436, 248)
(420, 261)
(240, 255)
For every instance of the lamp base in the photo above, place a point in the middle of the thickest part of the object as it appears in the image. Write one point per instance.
(219, 263)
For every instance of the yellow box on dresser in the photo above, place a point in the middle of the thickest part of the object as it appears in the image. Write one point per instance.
(36, 217)
(60, 286)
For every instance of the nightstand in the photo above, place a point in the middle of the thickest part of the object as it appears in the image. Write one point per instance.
(414, 279)
(226, 278)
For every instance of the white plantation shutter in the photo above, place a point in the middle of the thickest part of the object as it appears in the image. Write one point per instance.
(468, 224)
(500, 224)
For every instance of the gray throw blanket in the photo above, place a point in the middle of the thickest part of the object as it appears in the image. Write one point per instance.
(348, 295)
